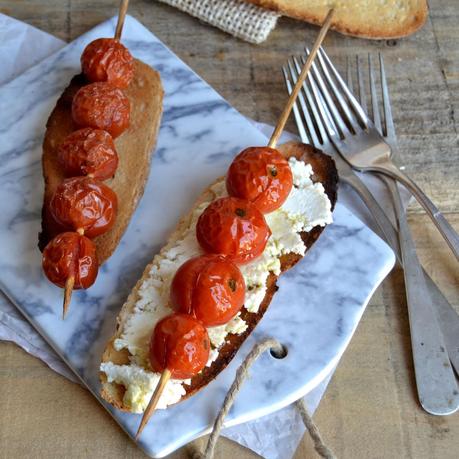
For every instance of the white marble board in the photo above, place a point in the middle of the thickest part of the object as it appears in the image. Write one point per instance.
(314, 313)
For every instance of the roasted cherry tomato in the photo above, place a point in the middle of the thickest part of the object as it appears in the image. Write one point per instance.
(106, 59)
(88, 151)
(181, 344)
(101, 106)
(210, 287)
(233, 227)
(82, 203)
(70, 255)
(262, 176)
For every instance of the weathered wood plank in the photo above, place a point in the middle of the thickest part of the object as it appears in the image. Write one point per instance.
(370, 409)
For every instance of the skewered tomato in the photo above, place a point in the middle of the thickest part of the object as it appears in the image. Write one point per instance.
(82, 203)
(101, 106)
(262, 176)
(106, 59)
(233, 227)
(88, 151)
(181, 344)
(210, 287)
(70, 255)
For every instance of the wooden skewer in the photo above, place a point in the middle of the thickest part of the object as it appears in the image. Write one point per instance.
(288, 107)
(165, 376)
(69, 283)
(121, 15)
(67, 294)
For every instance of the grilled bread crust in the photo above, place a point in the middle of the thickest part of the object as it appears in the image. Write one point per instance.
(359, 18)
(135, 147)
(324, 172)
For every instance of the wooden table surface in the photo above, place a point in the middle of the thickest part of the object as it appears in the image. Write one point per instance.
(370, 409)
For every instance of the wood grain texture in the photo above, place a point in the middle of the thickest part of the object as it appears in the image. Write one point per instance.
(370, 409)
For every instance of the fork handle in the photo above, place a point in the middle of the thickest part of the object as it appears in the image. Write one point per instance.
(447, 317)
(446, 230)
(435, 379)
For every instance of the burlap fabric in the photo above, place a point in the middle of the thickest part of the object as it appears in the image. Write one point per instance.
(243, 20)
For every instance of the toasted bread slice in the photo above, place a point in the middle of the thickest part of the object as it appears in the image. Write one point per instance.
(359, 18)
(324, 172)
(134, 146)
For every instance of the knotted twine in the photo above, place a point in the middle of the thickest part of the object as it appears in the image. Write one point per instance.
(322, 449)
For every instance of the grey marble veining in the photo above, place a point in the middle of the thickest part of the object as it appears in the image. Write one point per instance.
(319, 302)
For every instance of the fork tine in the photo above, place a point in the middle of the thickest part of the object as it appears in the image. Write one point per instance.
(361, 82)
(335, 115)
(322, 133)
(299, 122)
(325, 115)
(321, 114)
(388, 120)
(327, 64)
(295, 72)
(343, 105)
(374, 96)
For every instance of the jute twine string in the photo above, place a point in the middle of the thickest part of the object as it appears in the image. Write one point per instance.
(322, 449)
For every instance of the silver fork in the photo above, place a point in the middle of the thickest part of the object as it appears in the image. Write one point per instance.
(415, 279)
(359, 142)
(446, 315)
(314, 132)
(316, 135)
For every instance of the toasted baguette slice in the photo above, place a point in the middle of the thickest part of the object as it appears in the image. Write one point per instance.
(359, 18)
(324, 172)
(134, 146)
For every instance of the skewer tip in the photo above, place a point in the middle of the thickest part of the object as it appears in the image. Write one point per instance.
(165, 376)
(67, 295)
(121, 15)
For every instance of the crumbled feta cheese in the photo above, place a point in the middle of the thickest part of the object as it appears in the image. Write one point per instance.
(254, 296)
(236, 325)
(213, 356)
(140, 385)
(217, 335)
(301, 173)
(307, 206)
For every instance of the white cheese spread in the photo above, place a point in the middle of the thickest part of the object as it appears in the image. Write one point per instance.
(217, 335)
(306, 207)
(140, 384)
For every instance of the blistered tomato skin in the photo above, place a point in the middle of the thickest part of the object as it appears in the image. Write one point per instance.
(184, 283)
(209, 287)
(88, 151)
(233, 227)
(101, 106)
(83, 203)
(106, 59)
(181, 344)
(262, 176)
(70, 254)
